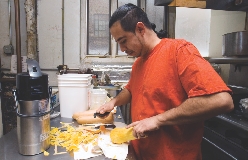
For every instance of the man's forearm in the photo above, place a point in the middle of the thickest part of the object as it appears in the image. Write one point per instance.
(197, 109)
(122, 98)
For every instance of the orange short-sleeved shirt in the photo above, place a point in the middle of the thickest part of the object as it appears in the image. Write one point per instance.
(173, 72)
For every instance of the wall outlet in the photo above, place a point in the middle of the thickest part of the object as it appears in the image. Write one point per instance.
(8, 49)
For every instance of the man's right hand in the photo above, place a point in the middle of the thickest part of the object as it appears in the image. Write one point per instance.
(107, 107)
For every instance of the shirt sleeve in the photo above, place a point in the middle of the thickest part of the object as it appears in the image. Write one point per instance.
(129, 84)
(196, 74)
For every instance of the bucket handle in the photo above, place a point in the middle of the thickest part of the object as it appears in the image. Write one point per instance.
(36, 115)
(50, 97)
(15, 98)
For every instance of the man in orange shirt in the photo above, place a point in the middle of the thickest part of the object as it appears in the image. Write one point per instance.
(172, 89)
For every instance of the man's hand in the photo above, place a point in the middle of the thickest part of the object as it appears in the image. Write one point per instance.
(107, 107)
(122, 98)
(143, 127)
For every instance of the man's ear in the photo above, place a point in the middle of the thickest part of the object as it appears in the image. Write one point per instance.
(140, 28)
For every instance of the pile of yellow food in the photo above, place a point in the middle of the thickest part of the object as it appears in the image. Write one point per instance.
(70, 138)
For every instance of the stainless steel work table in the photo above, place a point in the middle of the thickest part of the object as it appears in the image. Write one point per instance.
(9, 145)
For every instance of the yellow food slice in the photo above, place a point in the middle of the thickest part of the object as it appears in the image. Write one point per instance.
(46, 153)
(121, 135)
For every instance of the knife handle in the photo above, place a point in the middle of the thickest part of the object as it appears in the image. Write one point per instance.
(99, 115)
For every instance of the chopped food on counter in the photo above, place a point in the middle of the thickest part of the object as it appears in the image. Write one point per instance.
(86, 141)
(70, 137)
(46, 153)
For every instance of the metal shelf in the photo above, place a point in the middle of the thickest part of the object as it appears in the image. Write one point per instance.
(229, 60)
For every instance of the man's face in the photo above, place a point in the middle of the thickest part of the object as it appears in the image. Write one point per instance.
(129, 42)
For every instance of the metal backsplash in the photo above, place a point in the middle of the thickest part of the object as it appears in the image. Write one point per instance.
(116, 72)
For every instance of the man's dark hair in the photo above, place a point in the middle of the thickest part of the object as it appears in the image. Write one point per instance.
(129, 15)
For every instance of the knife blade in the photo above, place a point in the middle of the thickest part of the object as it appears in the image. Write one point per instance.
(106, 126)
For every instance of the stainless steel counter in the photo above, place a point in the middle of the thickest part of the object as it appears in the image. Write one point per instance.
(226, 137)
(9, 145)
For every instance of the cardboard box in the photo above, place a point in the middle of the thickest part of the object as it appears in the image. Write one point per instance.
(55, 98)
(188, 3)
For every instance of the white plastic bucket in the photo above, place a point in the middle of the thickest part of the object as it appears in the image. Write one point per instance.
(76, 75)
(66, 78)
(97, 98)
(74, 80)
(73, 77)
(73, 85)
(73, 98)
(73, 93)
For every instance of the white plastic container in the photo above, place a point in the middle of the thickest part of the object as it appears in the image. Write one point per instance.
(73, 93)
(76, 75)
(73, 99)
(98, 97)
(62, 78)
(74, 83)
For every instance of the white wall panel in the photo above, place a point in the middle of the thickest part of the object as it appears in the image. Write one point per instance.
(72, 33)
(49, 21)
(193, 24)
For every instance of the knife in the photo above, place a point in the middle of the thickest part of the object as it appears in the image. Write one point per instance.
(99, 115)
(106, 126)
(97, 126)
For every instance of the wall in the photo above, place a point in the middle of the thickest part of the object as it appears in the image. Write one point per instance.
(6, 38)
(62, 36)
(194, 27)
(50, 44)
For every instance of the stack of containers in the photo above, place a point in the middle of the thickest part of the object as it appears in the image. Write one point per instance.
(73, 93)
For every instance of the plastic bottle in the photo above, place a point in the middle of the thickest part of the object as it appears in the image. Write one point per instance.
(94, 81)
